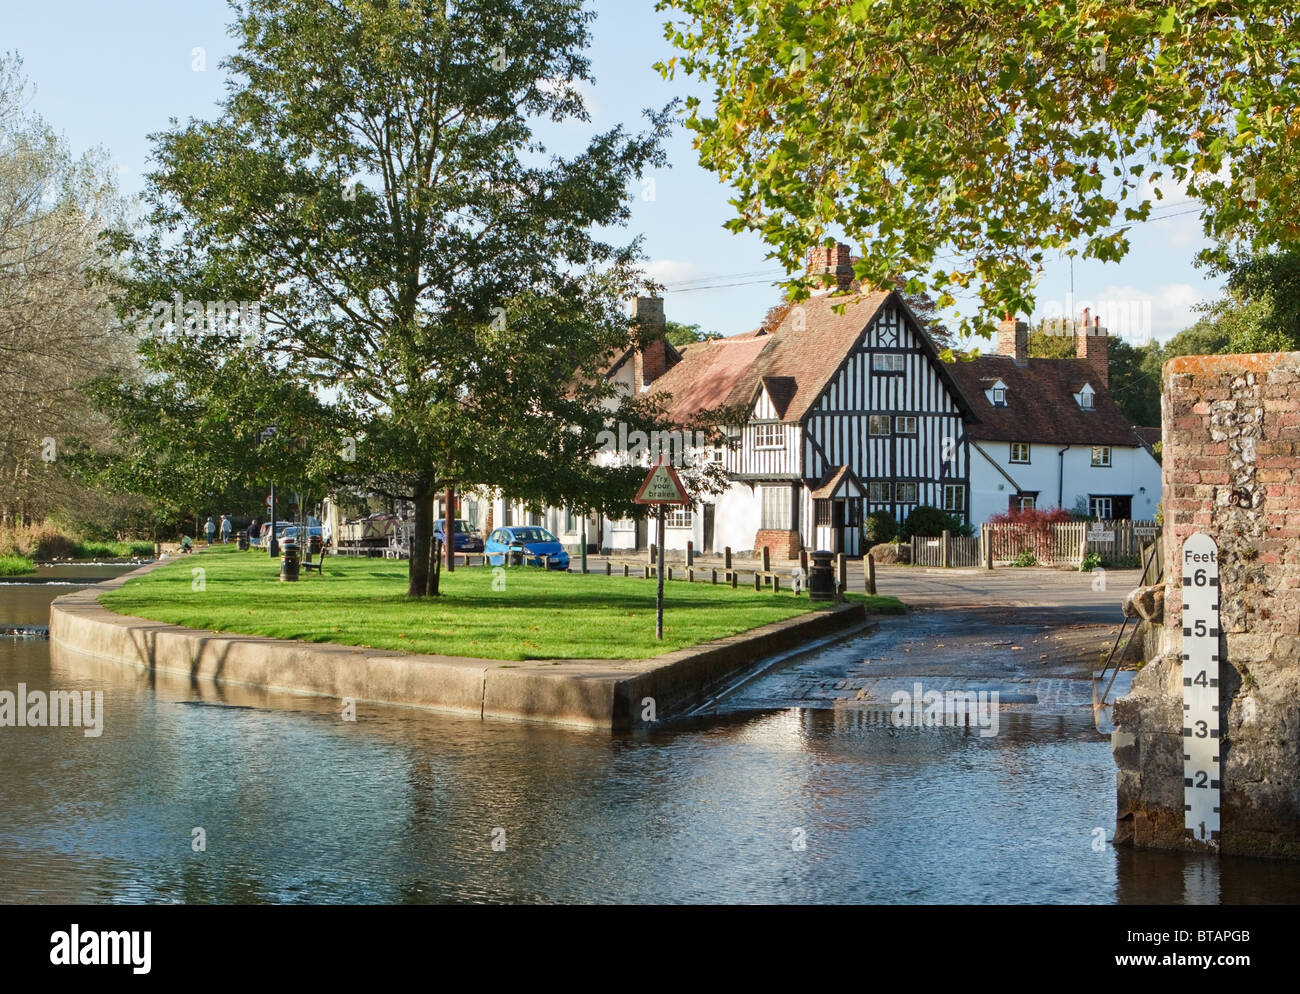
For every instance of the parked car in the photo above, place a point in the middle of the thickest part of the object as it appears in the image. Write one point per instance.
(264, 532)
(532, 541)
(314, 537)
(467, 540)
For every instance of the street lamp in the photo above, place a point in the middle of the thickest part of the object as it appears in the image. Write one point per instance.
(273, 545)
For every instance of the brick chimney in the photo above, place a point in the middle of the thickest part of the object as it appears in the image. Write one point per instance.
(651, 325)
(832, 262)
(1013, 339)
(1092, 344)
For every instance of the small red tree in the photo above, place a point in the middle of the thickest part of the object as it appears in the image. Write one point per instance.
(1031, 529)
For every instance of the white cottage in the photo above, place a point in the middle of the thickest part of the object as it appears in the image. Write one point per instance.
(1048, 433)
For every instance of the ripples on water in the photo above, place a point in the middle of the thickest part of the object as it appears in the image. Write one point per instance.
(400, 806)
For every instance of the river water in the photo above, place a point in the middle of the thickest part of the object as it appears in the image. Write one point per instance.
(765, 801)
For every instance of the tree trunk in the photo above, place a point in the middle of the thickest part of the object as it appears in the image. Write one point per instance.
(422, 537)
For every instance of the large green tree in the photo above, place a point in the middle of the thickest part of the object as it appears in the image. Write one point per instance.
(56, 326)
(962, 142)
(420, 261)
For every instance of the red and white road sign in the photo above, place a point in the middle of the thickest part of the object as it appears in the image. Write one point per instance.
(662, 485)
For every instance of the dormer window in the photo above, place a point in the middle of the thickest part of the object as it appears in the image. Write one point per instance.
(999, 396)
(1084, 397)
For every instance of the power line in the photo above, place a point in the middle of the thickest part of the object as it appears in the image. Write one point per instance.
(724, 281)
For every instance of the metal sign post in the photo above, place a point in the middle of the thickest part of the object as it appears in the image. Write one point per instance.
(1201, 757)
(659, 576)
(661, 486)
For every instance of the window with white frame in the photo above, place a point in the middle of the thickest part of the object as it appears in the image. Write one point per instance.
(878, 493)
(954, 497)
(677, 516)
(905, 493)
(769, 436)
(1101, 455)
(1020, 452)
(1085, 397)
(887, 362)
(905, 425)
(999, 396)
(776, 508)
(625, 525)
(879, 424)
(1100, 507)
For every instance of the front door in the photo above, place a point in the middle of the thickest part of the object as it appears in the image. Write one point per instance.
(837, 525)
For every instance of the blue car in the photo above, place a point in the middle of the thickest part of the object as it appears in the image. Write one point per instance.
(467, 540)
(532, 541)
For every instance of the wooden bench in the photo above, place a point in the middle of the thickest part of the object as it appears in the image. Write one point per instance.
(316, 565)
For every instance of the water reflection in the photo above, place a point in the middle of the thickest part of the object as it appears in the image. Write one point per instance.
(400, 806)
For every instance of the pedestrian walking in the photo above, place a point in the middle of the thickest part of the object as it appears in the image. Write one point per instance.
(210, 529)
(225, 529)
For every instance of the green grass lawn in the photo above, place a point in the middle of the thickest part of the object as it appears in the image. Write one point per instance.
(16, 565)
(536, 616)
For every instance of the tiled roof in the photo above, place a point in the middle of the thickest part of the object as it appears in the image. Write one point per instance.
(1150, 436)
(834, 479)
(1040, 403)
(794, 361)
(708, 374)
(809, 345)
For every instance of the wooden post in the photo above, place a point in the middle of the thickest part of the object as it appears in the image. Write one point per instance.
(841, 573)
(758, 581)
(803, 561)
(767, 559)
(714, 571)
(653, 559)
(625, 569)
(734, 578)
(871, 573)
(947, 549)
(776, 583)
(670, 572)
(609, 568)
(690, 556)
(987, 535)
(726, 558)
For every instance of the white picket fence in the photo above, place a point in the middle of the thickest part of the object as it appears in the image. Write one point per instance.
(1069, 542)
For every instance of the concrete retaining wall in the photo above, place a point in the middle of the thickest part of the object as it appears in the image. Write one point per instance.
(604, 694)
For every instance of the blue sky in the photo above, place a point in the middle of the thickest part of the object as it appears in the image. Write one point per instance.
(110, 74)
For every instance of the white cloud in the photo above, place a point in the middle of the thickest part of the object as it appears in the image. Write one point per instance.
(671, 271)
(1134, 314)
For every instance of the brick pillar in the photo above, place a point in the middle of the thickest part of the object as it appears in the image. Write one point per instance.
(1231, 471)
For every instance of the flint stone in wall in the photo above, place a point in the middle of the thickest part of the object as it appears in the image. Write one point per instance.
(1147, 603)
